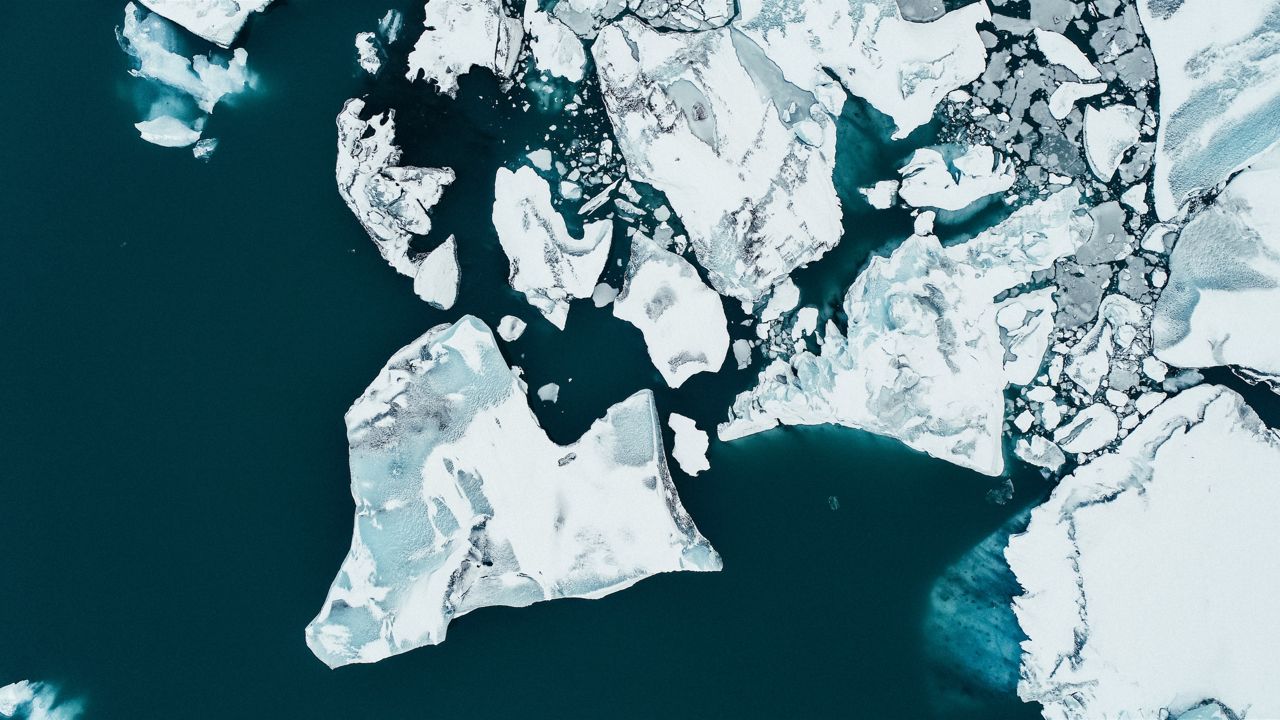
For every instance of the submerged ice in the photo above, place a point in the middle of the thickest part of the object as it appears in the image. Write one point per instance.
(463, 502)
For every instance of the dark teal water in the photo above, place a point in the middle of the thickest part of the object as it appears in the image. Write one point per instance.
(181, 341)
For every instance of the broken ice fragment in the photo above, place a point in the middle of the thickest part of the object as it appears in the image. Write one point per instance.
(437, 278)
(1059, 50)
(928, 179)
(368, 55)
(556, 50)
(1144, 593)
(1108, 134)
(547, 264)
(218, 21)
(167, 131)
(510, 328)
(463, 502)
(690, 451)
(458, 36)
(1065, 97)
(549, 393)
(682, 319)
(1090, 430)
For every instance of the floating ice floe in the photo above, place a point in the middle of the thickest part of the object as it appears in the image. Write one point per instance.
(368, 54)
(510, 328)
(1059, 50)
(437, 277)
(1108, 134)
(463, 502)
(742, 156)
(922, 357)
(1145, 592)
(391, 201)
(556, 50)
(458, 36)
(928, 179)
(549, 393)
(189, 88)
(547, 264)
(27, 700)
(682, 319)
(690, 451)
(1066, 95)
(1219, 306)
(218, 21)
(1218, 63)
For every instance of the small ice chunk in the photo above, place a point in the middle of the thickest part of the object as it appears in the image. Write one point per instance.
(1059, 50)
(1041, 452)
(167, 131)
(682, 320)
(549, 393)
(437, 278)
(203, 149)
(882, 194)
(1026, 323)
(547, 264)
(785, 297)
(742, 353)
(1108, 134)
(1066, 95)
(541, 159)
(603, 295)
(806, 322)
(510, 328)
(1091, 429)
(368, 55)
(923, 223)
(690, 451)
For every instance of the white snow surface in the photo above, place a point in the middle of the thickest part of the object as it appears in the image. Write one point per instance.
(1218, 63)
(927, 179)
(167, 131)
(510, 328)
(463, 502)
(437, 278)
(547, 264)
(1059, 50)
(1145, 588)
(682, 319)
(1219, 306)
(555, 48)
(922, 359)
(458, 35)
(1066, 95)
(218, 21)
(690, 451)
(391, 201)
(1108, 134)
(368, 55)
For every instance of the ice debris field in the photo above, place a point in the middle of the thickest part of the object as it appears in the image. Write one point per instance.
(1093, 224)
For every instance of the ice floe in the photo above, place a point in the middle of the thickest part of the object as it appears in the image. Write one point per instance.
(1108, 134)
(459, 35)
(547, 264)
(391, 201)
(510, 328)
(1219, 70)
(922, 357)
(28, 700)
(218, 21)
(1219, 306)
(1145, 589)
(690, 451)
(437, 277)
(682, 319)
(463, 502)
(929, 180)
(555, 48)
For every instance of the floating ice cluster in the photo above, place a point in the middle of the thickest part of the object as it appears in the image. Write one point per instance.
(1089, 188)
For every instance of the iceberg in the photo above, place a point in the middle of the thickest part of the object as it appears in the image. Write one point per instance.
(547, 264)
(392, 202)
(744, 158)
(168, 131)
(461, 34)
(218, 21)
(921, 359)
(690, 451)
(510, 328)
(928, 179)
(1218, 65)
(1218, 307)
(1108, 134)
(368, 54)
(1143, 590)
(437, 278)
(682, 319)
(1059, 50)
(463, 502)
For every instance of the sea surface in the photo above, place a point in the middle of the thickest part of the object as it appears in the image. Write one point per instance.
(181, 340)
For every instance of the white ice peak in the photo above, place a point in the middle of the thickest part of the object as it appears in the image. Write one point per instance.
(463, 502)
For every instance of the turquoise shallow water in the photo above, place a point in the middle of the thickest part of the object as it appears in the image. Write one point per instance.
(182, 339)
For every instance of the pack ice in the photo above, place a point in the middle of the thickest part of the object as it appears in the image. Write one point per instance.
(462, 501)
(923, 358)
(1148, 589)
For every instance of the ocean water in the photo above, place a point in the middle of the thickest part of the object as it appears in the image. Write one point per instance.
(182, 339)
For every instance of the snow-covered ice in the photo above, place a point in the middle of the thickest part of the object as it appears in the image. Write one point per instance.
(1218, 63)
(510, 328)
(458, 35)
(1092, 429)
(1147, 582)
(1219, 306)
(922, 359)
(463, 502)
(168, 131)
(1066, 95)
(547, 264)
(1059, 50)
(1108, 134)
(218, 21)
(368, 54)
(682, 319)
(555, 48)
(28, 700)
(437, 278)
(549, 393)
(690, 451)
(929, 180)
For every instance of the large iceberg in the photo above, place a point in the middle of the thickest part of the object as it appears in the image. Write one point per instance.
(458, 35)
(1148, 585)
(744, 158)
(1218, 64)
(922, 359)
(218, 21)
(463, 502)
(391, 201)
(681, 318)
(1219, 306)
(547, 264)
